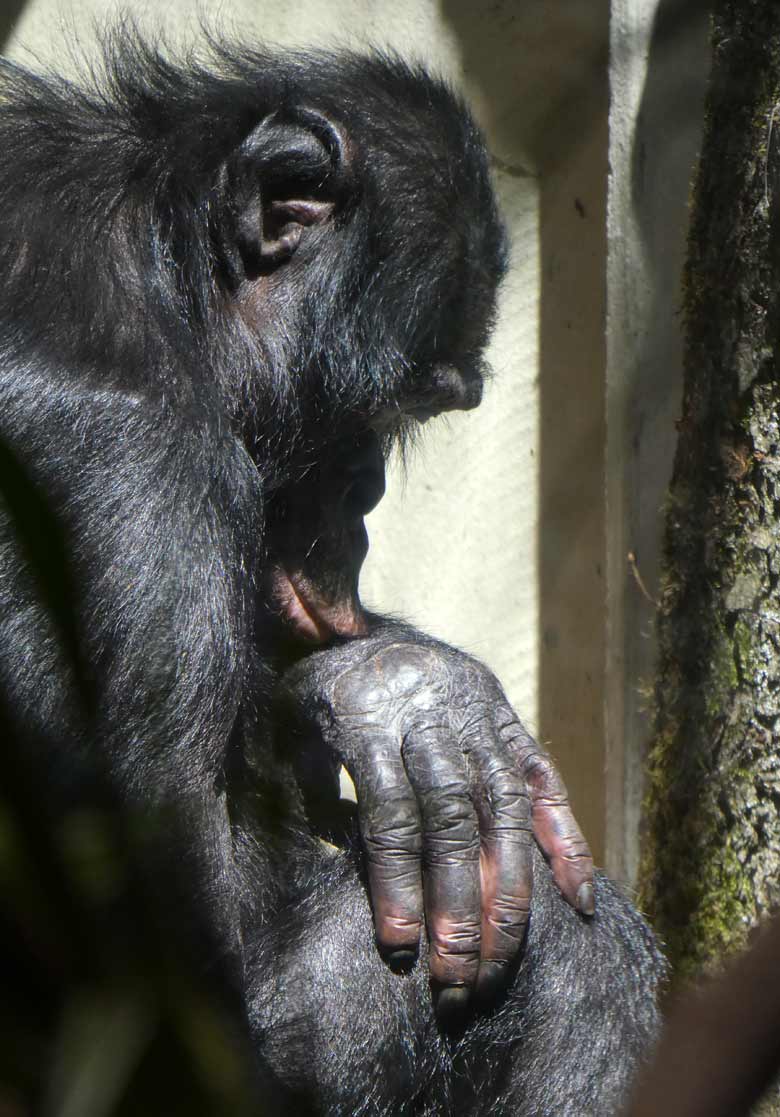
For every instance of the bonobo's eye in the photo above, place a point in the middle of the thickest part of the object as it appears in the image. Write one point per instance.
(288, 175)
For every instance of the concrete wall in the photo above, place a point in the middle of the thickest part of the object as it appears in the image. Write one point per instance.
(496, 537)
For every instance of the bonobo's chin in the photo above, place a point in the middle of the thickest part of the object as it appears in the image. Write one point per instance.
(311, 615)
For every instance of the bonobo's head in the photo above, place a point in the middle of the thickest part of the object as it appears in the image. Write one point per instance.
(361, 245)
(299, 251)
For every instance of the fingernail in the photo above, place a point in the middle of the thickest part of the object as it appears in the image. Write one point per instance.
(452, 1004)
(490, 984)
(400, 960)
(586, 900)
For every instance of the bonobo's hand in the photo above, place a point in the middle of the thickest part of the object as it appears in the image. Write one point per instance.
(445, 775)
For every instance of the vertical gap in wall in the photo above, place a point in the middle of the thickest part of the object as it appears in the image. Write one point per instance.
(573, 173)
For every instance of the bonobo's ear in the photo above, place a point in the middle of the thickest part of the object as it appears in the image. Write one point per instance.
(288, 175)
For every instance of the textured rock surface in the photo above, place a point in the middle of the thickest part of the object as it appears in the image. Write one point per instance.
(711, 864)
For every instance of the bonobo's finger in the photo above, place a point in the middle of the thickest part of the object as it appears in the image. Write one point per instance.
(391, 831)
(451, 854)
(555, 828)
(505, 862)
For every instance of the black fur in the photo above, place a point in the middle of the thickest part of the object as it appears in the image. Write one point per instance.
(347, 1036)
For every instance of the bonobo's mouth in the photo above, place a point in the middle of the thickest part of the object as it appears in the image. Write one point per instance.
(318, 541)
(311, 617)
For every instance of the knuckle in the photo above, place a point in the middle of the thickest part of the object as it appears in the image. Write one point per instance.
(508, 798)
(511, 843)
(451, 852)
(562, 827)
(457, 942)
(543, 779)
(451, 820)
(395, 809)
(506, 920)
(392, 829)
(398, 927)
(394, 845)
(507, 912)
(536, 766)
(578, 852)
(507, 937)
(449, 808)
(452, 839)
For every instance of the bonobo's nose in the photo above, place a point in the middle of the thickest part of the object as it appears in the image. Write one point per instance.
(455, 389)
(446, 387)
(450, 389)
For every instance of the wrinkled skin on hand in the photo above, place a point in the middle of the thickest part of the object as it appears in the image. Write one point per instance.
(451, 789)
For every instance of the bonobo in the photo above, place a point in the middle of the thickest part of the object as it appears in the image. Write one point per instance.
(227, 292)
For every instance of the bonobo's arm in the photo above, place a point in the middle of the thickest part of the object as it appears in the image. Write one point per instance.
(444, 771)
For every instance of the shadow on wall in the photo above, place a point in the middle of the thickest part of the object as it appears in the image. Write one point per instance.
(540, 72)
(663, 162)
(10, 10)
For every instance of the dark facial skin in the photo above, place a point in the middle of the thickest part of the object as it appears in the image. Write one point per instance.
(450, 786)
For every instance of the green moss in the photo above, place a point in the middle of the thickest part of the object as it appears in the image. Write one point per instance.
(718, 926)
(744, 652)
(723, 675)
(704, 859)
(693, 884)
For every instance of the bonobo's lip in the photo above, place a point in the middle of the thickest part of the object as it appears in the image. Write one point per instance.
(311, 617)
